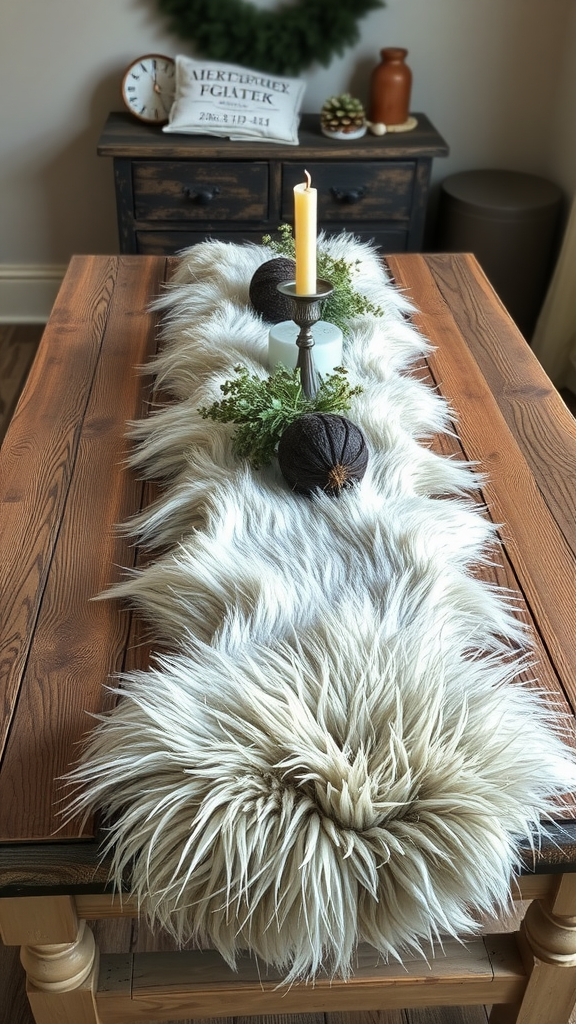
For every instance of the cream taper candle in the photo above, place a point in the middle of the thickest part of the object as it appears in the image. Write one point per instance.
(305, 231)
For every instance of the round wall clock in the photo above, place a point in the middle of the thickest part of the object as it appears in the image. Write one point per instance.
(148, 87)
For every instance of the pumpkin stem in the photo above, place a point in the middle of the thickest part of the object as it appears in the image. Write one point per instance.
(337, 477)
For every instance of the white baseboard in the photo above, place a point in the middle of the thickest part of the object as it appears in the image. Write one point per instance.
(27, 291)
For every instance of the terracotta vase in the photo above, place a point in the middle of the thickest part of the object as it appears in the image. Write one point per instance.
(390, 88)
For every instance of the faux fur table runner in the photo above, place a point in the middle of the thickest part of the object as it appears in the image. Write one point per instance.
(337, 749)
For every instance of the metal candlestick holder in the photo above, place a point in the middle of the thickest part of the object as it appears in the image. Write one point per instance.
(306, 311)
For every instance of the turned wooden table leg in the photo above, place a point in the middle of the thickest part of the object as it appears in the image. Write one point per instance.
(548, 944)
(59, 956)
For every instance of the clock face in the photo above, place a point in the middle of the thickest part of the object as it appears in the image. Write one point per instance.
(148, 88)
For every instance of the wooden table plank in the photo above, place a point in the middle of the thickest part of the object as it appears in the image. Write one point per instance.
(52, 868)
(78, 643)
(37, 460)
(538, 552)
(532, 407)
(501, 574)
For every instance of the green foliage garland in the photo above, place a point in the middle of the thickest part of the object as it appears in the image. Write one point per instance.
(263, 408)
(282, 42)
(345, 302)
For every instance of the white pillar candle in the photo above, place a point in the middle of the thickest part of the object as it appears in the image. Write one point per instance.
(326, 351)
(305, 231)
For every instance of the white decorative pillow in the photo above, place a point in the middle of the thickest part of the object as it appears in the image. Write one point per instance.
(234, 102)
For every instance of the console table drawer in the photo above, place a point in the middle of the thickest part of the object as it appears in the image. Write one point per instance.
(179, 190)
(158, 243)
(365, 191)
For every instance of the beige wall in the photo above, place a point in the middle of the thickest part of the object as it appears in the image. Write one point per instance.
(497, 77)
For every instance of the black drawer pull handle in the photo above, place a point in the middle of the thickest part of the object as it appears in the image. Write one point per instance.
(204, 197)
(352, 195)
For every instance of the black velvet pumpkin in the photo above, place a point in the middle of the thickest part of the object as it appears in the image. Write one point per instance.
(264, 295)
(321, 450)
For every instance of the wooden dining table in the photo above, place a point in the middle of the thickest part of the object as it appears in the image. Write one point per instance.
(64, 487)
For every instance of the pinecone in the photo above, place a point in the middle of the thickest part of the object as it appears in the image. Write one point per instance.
(342, 114)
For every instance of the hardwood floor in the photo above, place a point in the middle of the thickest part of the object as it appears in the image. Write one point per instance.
(18, 345)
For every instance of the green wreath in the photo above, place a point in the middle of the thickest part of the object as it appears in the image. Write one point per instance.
(282, 42)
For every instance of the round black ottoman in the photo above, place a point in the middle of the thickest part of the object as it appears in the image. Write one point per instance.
(510, 221)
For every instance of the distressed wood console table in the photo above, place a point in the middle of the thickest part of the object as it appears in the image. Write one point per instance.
(62, 489)
(175, 190)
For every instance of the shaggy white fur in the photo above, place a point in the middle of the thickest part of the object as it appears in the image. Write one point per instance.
(339, 748)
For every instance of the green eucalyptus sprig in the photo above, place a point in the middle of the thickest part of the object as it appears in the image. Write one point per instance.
(262, 408)
(345, 302)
